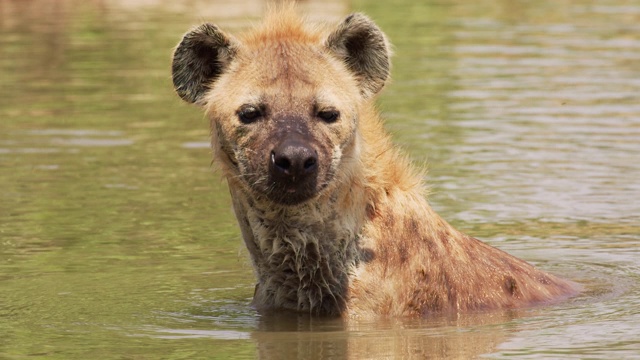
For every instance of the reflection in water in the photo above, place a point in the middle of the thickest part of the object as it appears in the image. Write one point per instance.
(291, 336)
(116, 238)
(302, 337)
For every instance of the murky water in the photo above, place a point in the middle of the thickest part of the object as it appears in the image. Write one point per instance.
(117, 239)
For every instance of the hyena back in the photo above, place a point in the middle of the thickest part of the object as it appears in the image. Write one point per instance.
(334, 217)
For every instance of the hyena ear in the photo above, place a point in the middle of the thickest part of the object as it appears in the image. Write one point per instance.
(199, 59)
(364, 48)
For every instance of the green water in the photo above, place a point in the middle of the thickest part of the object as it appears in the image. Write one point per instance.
(117, 238)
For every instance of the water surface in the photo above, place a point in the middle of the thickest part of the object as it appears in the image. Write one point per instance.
(117, 238)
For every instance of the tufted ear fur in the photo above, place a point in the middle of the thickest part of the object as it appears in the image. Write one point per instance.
(364, 48)
(199, 59)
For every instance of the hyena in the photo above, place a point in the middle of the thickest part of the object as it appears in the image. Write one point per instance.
(334, 217)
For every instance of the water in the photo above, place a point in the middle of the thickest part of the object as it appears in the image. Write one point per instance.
(117, 238)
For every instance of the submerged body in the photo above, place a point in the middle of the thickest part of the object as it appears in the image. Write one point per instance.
(334, 217)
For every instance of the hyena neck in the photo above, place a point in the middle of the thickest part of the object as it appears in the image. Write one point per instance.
(303, 255)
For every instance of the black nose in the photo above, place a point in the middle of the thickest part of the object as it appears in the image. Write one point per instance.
(293, 160)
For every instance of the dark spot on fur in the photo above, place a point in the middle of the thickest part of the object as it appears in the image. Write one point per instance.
(411, 227)
(367, 255)
(383, 255)
(443, 236)
(511, 285)
(434, 301)
(371, 211)
(430, 243)
(424, 298)
(241, 131)
(403, 252)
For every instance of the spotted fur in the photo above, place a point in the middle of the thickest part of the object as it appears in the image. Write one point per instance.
(360, 240)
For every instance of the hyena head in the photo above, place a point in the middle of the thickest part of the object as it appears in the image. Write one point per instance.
(283, 99)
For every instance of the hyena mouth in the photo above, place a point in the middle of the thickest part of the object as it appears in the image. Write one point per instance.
(293, 171)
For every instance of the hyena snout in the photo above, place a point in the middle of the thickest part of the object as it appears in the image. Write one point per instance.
(293, 162)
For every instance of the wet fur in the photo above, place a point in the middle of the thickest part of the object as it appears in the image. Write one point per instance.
(367, 244)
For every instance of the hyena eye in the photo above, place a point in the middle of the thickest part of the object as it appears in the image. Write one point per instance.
(329, 115)
(249, 113)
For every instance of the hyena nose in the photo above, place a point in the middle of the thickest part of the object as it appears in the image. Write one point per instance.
(293, 160)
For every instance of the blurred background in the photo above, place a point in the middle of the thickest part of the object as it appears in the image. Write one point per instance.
(117, 237)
